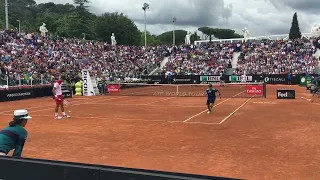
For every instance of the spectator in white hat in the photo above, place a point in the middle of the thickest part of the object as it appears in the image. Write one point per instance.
(14, 135)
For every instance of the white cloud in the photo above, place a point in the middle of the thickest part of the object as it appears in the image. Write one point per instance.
(261, 17)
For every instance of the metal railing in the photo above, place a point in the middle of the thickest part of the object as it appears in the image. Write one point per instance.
(25, 80)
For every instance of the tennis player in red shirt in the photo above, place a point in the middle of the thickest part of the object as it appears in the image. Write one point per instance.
(57, 92)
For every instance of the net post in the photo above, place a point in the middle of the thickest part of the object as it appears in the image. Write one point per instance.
(177, 90)
(41, 79)
(264, 89)
(7, 79)
(19, 79)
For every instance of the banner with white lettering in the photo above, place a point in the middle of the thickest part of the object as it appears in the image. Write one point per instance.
(276, 79)
(18, 94)
(239, 78)
(87, 87)
(210, 78)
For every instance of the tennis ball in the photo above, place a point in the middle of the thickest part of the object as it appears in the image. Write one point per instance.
(69, 111)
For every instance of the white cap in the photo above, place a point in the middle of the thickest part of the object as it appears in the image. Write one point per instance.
(22, 114)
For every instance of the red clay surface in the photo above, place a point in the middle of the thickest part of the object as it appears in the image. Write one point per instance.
(246, 138)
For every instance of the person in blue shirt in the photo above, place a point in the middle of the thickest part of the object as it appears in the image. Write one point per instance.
(14, 135)
(211, 93)
(289, 78)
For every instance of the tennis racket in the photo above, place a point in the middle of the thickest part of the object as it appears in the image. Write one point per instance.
(67, 103)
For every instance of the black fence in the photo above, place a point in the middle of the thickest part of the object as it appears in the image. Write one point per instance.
(198, 79)
(20, 93)
(22, 169)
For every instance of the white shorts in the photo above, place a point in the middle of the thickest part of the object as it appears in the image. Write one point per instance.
(2, 154)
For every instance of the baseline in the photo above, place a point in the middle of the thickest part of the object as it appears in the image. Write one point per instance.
(149, 105)
(122, 119)
(72, 104)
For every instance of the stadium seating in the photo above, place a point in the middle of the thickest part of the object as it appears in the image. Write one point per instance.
(26, 57)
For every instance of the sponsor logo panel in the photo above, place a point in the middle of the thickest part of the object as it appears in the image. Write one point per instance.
(286, 94)
(254, 89)
(113, 87)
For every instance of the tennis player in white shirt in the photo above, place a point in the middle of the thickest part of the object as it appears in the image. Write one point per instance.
(57, 92)
(243, 79)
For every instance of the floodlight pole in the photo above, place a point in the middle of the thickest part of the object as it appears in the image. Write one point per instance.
(145, 7)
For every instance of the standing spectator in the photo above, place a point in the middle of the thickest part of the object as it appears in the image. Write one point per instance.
(289, 78)
(14, 135)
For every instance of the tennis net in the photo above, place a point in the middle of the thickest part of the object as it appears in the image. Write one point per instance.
(236, 90)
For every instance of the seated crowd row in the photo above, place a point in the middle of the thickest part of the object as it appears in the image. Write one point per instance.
(26, 57)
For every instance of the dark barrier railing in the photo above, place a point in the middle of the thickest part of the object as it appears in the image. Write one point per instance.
(25, 169)
(197, 79)
(28, 92)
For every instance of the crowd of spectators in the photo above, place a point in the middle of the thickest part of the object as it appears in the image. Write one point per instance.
(256, 57)
(209, 59)
(32, 57)
(278, 57)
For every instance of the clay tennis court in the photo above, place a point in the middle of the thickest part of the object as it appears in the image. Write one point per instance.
(250, 138)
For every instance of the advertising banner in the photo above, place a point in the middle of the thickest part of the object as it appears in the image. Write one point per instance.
(254, 89)
(19, 94)
(276, 79)
(234, 79)
(111, 88)
(286, 94)
(210, 78)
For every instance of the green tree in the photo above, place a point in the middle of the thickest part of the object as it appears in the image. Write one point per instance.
(152, 40)
(207, 31)
(295, 30)
(81, 3)
(82, 19)
(18, 10)
(194, 37)
(167, 37)
(67, 24)
(219, 33)
(180, 35)
(125, 30)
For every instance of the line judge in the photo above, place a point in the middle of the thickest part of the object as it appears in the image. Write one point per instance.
(14, 135)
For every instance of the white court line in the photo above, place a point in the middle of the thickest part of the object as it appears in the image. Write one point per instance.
(207, 109)
(32, 107)
(164, 105)
(36, 107)
(204, 111)
(124, 119)
(200, 123)
(72, 104)
(79, 104)
(194, 122)
(305, 98)
(104, 118)
(151, 105)
(159, 101)
(52, 106)
(235, 110)
(310, 100)
(298, 137)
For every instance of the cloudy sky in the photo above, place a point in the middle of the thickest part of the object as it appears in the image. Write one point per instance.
(261, 17)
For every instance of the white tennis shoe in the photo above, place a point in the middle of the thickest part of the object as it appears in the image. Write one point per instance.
(65, 116)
